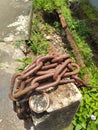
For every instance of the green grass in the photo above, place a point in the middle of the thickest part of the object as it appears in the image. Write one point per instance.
(39, 43)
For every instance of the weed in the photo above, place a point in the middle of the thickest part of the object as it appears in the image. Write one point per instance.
(25, 61)
(48, 5)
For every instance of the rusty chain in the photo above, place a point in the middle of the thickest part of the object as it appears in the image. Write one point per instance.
(43, 74)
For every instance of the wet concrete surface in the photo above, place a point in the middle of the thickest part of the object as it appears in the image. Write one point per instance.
(15, 17)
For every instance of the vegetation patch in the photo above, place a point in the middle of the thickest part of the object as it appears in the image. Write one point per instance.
(89, 10)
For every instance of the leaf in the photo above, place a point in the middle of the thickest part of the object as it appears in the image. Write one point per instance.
(96, 122)
(83, 125)
(78, 127)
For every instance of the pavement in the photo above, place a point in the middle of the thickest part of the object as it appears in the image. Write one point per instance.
(8, 66)
(15, 24)
(15, 18)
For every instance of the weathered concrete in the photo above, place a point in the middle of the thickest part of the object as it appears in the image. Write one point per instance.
(64, 103)
(8, 65)
(15, 17)
(8, 56)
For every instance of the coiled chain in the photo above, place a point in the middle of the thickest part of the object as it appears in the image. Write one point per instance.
(44, 73)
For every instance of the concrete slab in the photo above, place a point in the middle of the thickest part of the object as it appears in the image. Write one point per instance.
(15, 17)
(8, 65)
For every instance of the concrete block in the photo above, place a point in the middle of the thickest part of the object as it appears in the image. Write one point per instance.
(64, 103)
